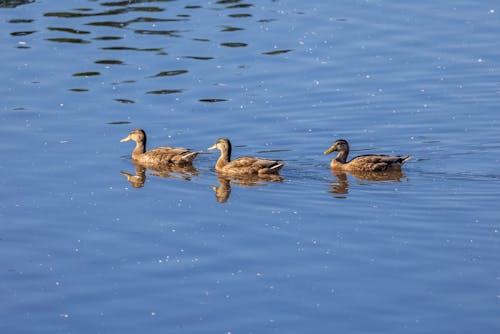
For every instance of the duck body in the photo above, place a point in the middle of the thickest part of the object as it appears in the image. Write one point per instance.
(243, 165)
(363, 163)
(158, 156)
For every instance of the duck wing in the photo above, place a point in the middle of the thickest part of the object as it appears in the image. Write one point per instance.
(377, 162)
(168, 154)
(253, 165)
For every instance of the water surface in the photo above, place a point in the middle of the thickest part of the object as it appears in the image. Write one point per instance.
(84, 249)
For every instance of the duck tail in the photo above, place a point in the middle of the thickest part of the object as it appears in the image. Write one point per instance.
(405, 159)
(277, 167)
(190, 156)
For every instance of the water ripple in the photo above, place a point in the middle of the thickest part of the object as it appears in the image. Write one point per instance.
(166, 91)
(68, 40)
(169, 73)
(69, 30)
(105, 13)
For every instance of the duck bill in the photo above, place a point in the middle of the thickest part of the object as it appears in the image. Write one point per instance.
(330, 150)
(125, 139)
(212, 147)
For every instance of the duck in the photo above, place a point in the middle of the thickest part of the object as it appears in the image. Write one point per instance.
(157, 156)
(243, 165)
(363, 163)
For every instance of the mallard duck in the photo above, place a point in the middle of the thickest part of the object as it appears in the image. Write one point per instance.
(160, 155)
(363, 163)
(243, 165)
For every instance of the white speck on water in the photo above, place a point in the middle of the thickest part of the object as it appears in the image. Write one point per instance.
(491, 11)
(64, 315)
(480, 60)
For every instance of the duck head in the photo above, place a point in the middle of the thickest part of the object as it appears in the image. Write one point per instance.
(137, 135)
(340, 145)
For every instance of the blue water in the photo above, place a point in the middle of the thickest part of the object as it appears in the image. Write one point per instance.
(83, 250)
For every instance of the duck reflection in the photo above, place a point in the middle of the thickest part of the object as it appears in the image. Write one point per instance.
(223, 190)
(138, 179)
(341, 185)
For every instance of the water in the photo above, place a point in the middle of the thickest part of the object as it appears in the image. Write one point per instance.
(83, 250)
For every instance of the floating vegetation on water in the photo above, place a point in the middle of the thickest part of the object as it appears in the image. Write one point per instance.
(276, 52)
(166, 91)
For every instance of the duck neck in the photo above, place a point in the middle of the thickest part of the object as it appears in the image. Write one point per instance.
(224, 159)
(140, 147)
(342, 156)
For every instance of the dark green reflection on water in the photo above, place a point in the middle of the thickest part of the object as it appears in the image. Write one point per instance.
(276, 52)
(14, 3)
(69, 30)
(234, 44)
(109, 62)
(20, 21)
(128, 48)
(125, 101)
(22, 33)
(169, 73)
(68, 40)
(166, 91)
(105, 13)
(122, 24)
(86, 74)
(212, 100)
